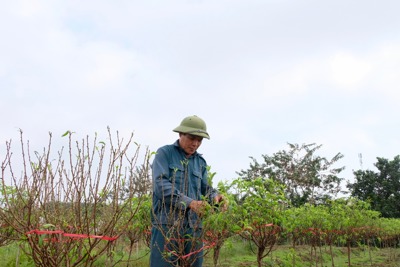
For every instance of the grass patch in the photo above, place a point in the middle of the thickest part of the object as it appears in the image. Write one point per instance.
(239, 253)
(12, 255)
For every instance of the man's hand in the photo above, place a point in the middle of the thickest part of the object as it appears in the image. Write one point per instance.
(199, 207)
(222, 201)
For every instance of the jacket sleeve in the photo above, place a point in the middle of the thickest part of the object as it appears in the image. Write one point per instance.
(163, 189)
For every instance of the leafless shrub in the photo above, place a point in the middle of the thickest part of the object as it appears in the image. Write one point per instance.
(72, 209)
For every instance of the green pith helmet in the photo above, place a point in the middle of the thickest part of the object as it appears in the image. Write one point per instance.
(193, 125)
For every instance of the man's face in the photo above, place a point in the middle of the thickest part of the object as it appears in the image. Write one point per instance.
(189, 143)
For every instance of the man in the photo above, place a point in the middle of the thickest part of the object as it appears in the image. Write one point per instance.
(181, 194)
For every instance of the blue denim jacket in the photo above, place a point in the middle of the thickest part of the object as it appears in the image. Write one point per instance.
(177, 181)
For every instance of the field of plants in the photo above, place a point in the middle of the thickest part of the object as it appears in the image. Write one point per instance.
(239, 253)
(91, 206)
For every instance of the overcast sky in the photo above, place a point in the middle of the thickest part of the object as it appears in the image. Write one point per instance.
(260, 73)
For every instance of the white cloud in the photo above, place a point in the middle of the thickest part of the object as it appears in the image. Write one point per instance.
(292, 82)
(257, 71)
(28, 8)
(386, 70)
(106, 65)
(348, 71)
(376, 71)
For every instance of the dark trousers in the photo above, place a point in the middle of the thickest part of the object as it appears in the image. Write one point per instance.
(175, 247)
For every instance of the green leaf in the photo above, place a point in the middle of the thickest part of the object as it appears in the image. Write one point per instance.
(48, 226)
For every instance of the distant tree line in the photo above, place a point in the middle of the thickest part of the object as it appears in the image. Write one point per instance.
(380, 188)
(311, 179)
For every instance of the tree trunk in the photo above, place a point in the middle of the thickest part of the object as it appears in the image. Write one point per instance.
(294, 253)
(260, 253)
(348, 252)
(331, 252)
(217, 250)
